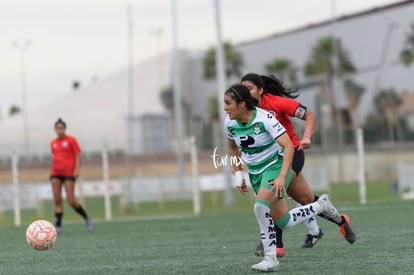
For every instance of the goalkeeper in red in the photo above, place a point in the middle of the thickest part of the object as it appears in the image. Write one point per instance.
(65, 170)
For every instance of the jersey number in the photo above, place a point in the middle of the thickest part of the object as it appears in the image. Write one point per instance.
(245, 141)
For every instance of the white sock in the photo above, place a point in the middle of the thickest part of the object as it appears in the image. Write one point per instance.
(311, 224)
(313, 227)
(267, 228)
(303, 213)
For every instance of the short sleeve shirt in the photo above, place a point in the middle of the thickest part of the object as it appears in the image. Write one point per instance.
(256, 139)
(283, 108)
(64, 151)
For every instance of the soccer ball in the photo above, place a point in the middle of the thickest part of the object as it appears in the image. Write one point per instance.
(41, 235)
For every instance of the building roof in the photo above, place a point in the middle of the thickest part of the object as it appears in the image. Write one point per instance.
(328, 22)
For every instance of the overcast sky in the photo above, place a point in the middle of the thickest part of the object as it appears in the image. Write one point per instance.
(83, 39)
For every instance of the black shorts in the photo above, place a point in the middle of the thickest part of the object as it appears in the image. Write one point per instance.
(298, 161)
(63, 178)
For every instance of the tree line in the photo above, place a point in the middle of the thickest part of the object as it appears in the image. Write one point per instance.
(328, 60)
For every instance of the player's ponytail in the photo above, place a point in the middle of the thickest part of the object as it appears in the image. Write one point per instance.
(241, 93)
(60, 121)
(255, 79)
(274, 86)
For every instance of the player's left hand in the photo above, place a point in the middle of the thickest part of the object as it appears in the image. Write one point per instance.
(76, 174)
(242, 187)
(305, 143)
(279, 186)
(240, 182)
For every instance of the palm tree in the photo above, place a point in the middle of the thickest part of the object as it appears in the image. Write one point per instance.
(329, 59)
(14, 109)
(234, 64)
(407, 54)
(283, 68)
(233, 60)
(353, 93)
(387, 103)
(167, 98)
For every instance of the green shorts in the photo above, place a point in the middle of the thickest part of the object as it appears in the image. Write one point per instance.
(271, 173)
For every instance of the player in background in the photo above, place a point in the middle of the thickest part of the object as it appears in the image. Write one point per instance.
(279, 101)
(268, 153)
(65, 170)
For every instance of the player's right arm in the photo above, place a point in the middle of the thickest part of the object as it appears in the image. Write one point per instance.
(237, 168)
(234, 153)
(295, 109)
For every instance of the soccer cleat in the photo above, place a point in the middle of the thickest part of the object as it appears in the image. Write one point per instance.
(269, 264)
(311, 240)
(89, 224)
(259, 250)
(59, 230)
(280, 252)
(346, 229)
(328, 209)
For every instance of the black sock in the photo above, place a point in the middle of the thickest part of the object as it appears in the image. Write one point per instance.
(81, 212)
(279, 241)
(58, 219)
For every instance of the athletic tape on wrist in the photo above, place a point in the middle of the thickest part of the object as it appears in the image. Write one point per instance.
(239, 177)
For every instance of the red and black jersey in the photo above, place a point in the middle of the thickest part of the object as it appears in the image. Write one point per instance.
(64, 152)
(283, 108)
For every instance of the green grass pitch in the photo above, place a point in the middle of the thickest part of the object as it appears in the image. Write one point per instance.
(218, 242)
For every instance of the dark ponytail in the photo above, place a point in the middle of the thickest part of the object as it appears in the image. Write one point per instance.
(274, 86)
(60, 121)
(241, 93)
(255, 79)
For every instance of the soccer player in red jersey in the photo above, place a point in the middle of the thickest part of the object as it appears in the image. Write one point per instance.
(278, 100)
(65, 170)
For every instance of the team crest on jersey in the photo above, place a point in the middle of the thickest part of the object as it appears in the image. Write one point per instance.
(256, 129)
(64, 144)
(272, 112)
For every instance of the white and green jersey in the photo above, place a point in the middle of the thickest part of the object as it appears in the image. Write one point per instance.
(256, 139)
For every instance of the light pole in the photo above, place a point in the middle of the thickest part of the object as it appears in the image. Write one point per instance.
(157, 35)
(178, 109)
(221, 87)
(22, 51)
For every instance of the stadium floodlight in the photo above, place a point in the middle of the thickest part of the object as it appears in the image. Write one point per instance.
(221, 87)
(22, 51)
(178, 108)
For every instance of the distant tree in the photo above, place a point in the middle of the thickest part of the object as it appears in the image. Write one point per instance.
(76, 85)
(167, 98)
(407, 54)
(353, 93)
(213, 109)
(329, 58)
(283, 68)
(233, 62)
(387, 103)
(14, 109)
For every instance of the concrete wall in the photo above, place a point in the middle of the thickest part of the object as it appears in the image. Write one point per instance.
(381, 163)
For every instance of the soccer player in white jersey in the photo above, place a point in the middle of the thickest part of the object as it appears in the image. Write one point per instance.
(280, 101)
(268, 152)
